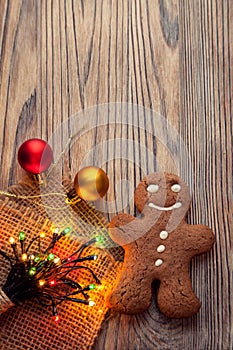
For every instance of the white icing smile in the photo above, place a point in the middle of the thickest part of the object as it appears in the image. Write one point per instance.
(174, 206)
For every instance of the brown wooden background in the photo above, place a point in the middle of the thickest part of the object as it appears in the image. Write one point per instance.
(59, 57)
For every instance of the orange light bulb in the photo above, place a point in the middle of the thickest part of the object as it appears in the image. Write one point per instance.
(24, 257)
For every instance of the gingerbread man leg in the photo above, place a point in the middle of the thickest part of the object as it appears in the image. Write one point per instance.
(130, 296)
(176, 298)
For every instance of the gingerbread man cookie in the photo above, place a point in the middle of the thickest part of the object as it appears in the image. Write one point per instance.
(158, 246)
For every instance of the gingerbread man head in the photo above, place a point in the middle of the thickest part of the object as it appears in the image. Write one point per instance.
(163, 196)
(160, 197)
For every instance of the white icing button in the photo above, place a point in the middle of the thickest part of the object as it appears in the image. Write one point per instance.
(163, 234)
(158, 262)
(152, 188)
(161, 248)
(176, 188)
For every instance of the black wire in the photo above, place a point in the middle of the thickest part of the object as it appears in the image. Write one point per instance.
(76, 268)
(80, 250)
(81, 301)
(14, 247)
(31, 242)
(85, 258)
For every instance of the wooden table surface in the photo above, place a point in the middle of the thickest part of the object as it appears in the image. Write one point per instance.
(173, 57)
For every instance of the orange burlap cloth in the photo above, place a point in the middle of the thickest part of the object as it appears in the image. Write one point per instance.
(30, 325)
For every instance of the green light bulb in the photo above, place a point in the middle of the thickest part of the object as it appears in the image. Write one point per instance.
(50, 256)
(37, 258)
(32, 271)
(22, 236)
(66, 230)
(92, 286)
(98, 239)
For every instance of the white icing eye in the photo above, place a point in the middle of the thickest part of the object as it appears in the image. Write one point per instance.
(152, 188)
(176, 188)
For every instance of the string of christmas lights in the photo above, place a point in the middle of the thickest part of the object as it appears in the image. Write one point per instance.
(44, 275)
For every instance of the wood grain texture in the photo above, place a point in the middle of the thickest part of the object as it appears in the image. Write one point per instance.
(60, 57)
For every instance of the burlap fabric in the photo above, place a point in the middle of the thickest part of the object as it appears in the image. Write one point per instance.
(31, 326)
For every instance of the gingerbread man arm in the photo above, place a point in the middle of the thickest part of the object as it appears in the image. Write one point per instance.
(119, 229)
(198, 239)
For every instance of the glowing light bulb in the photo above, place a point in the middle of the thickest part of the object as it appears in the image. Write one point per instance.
(56, 260)
(50, 256)
(32, 257)
(95, 257)
(37, 258)
(56, 318)
(92, 286)
(56, 230)
(91, 303)
(22, 236)
(41, 283)
(98, 239)
(32, 271)
(52, 283)
(11, 240)
(42, 235)
(67, 230)
(24, 257)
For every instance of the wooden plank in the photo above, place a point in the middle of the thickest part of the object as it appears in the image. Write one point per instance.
(59, 57)
(205, 107)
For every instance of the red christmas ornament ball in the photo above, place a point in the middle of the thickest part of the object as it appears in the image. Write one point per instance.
(35, 156)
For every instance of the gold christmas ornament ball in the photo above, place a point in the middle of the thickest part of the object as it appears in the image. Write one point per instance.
(91, 183)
